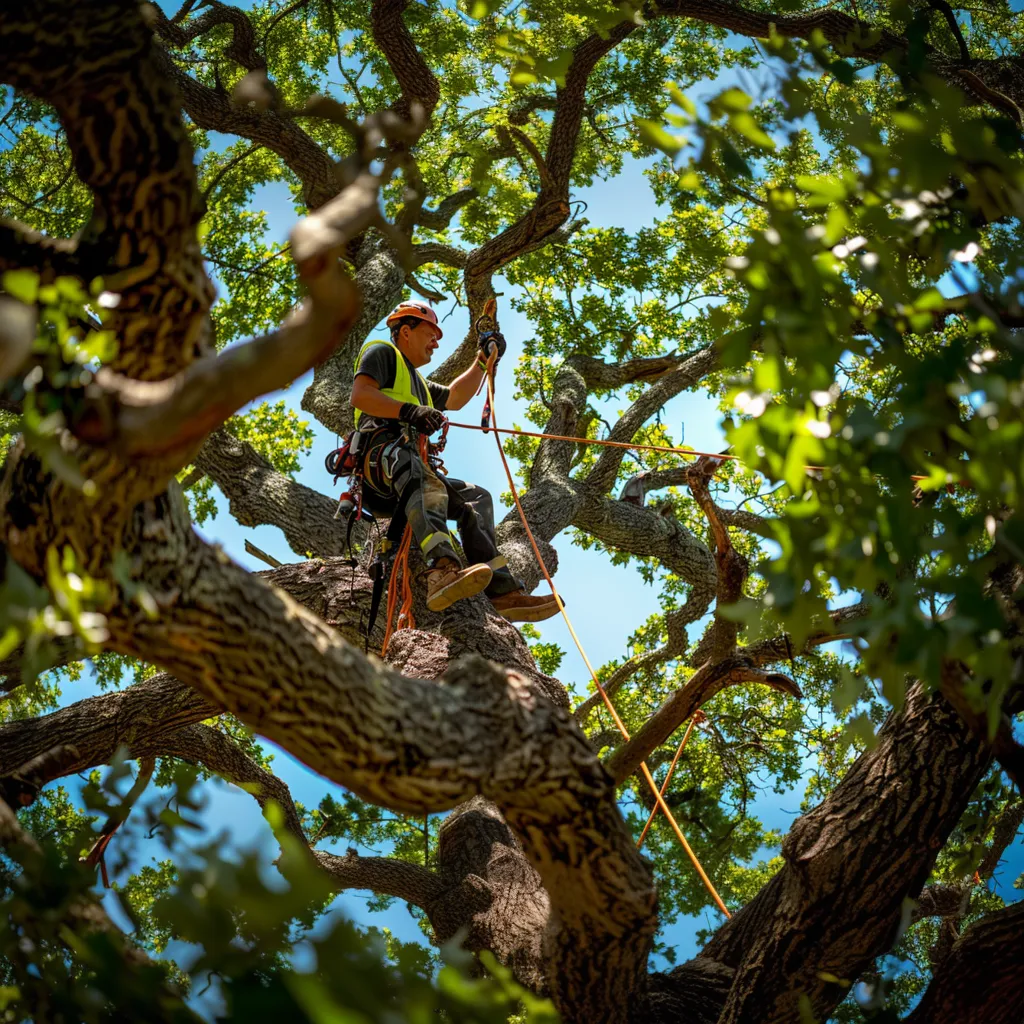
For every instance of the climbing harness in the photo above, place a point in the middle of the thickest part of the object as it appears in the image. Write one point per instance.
(368, 458)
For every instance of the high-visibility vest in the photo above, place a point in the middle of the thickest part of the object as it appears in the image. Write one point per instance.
(401, 390)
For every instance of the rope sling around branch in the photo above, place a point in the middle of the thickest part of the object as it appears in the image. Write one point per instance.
(620, 725)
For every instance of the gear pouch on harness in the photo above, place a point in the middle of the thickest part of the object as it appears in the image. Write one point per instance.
(379, 458)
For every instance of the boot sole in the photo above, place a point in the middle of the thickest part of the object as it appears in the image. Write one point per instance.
(537, 614)
(468, 586)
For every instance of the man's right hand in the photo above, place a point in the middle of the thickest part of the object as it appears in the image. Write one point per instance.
(421, 417)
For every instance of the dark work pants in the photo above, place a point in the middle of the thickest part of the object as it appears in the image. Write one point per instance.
(432, 500)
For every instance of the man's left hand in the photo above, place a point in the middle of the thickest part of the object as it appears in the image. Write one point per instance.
(492, 338)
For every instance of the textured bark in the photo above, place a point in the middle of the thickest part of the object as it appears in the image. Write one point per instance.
(139, 718)
(258, 495)
(412, 745)
(982, 979)
(142, 241)
(493, 891)
(849, 866)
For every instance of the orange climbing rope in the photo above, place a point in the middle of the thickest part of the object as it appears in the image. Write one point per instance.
(690, 453)
(698, 716)
(401, 580)
(620, 725)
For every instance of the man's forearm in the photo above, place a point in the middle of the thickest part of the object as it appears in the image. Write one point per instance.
(463, 388)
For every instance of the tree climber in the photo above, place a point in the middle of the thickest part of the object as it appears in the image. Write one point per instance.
(394, 405)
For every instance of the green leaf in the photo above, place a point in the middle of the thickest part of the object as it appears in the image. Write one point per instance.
(653, 134)
(22, 285)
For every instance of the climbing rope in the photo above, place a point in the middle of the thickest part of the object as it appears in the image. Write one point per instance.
(620, 725)
(698, 716)
(690, 453)
(401, 578)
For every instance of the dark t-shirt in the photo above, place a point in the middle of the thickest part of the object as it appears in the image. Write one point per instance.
(380, 362)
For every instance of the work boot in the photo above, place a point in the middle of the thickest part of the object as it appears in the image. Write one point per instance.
(521, 607)
(447, 583)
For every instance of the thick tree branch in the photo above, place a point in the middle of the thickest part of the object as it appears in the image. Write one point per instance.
(438, 252)
(215, 111)
(389, 738)
(441, 216)
(602, 477)
(142, 238)
(603, 376)
(140, 718)
(258, 495)
(242, 49)
(385, 875)
(982, 978)
(849, 865)
(390, 33)
(644, 533)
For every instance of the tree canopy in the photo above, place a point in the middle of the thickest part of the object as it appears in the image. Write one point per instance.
(834, 261)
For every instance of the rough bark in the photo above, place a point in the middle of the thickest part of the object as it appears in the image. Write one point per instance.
(411, 745)
(982, 979)
(139, 718)
(849, 866)
(258, 495)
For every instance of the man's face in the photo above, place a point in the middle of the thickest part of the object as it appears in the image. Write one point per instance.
(418, 343)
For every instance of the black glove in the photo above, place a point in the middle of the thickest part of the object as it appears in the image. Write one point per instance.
(492, 338)
(422, 417)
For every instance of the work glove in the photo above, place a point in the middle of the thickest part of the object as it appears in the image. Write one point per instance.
(491, 338)
(421, 417)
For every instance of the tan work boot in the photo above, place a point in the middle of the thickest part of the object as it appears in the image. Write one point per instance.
(447, 583)
(521, 607)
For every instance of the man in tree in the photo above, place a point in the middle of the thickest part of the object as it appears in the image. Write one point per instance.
(394, 405)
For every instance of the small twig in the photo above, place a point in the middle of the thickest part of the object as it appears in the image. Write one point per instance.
(232, 163)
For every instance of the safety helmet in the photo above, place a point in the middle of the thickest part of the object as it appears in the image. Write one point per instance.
(420, 310)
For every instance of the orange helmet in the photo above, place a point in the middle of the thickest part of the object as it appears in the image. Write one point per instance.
(420, 310)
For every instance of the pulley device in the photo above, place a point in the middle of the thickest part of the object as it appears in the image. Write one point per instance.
(486, 327)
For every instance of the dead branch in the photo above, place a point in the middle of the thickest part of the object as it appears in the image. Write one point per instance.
(261, 555)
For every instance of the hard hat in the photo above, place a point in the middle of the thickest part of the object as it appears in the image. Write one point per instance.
(420, 310)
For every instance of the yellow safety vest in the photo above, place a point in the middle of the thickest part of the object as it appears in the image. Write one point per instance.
(401, 390)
